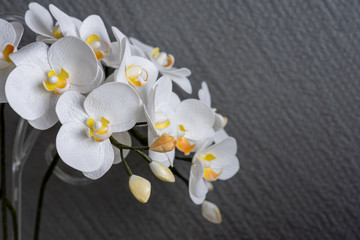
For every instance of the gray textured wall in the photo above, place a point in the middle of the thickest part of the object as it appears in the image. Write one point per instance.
(286, 73)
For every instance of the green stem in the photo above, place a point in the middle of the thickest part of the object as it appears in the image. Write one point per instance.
(141, 138)
(127, 168)
(3, 170)
(177, 173)
(41, 195)
(122, 146)
(12, 210)
(145, 156)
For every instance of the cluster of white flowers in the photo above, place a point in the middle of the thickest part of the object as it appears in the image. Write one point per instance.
(61, 77)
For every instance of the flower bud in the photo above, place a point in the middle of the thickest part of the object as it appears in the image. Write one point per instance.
(211, 212)
(140, 188)
(162, 172)
(164, 143)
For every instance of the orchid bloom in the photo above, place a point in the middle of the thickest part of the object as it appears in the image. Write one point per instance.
(161, 118)
(40, 21)
(10, 35)
(204, 96)
(194, 121)
(42, 74)
(210, 163)
(164, 62)
(83, 140)
(92, 31)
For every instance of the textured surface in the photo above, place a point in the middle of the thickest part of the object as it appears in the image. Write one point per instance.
(286, 73)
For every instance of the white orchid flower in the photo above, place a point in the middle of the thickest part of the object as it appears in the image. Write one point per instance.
(210, 163)
(161, 118)
(194, 121)
(10, 35)
(164, 62)
(40, 21)
(204, 96)
(42, 74)
(88, 122)
(92, 31)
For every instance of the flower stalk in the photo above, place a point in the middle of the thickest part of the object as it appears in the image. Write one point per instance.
(41, 195)
(3, 171)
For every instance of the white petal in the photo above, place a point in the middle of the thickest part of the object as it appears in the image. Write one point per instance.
(39, 20)
(163, 91)
(47, 120)
(220, 135)
(165, 158)
(4, 73)
(124, 138)
(91, 85)
(93, 24)
(204, 94)
(196, 117)
(147, 49)
(182, 82)
(70, 108)
(78, 150)
(8, 34)
(77, 22)
(174, 101)
(135, 51)
(44, 39)
(118, 34)
(231, 168)
(66, 23)
(150, 68)
(112, 59)
(19, 30)
(108, 162)
(227, 147)
(177, 72)
(197, 186)
(36, 52)
(123, 55)
(76, 57)
(117, 102)
(25, 91)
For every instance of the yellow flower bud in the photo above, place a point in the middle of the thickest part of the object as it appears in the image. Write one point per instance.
(140, 188)
(211, 212)
(164, 143)
(162, 172)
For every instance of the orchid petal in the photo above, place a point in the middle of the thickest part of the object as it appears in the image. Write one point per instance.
(4, 73)
(70, 108)
(79, 151)
(230, 169)
(196, 117)
(117, 102)
(220, 135)
(47, 120)
(147, 49)
(93, 24)
(19, 30)
(204, 94)
(25, 92)
(36, 52)
(123, 138)
(66, 23)
(165, 158)
(182, 82)
(197, 186)
(106, 165)
(91, 85)
(8, 34)
(76, 58)
(174, 101)
(45, 39)
(39, 20)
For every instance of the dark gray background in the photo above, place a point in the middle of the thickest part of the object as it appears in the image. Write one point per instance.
(286, 73)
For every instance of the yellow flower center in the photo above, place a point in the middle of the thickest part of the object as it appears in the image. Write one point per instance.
(136, 75)
(165, 60)
(4, 55)
(57, 33)
(100, 47)
(57, 83)
(209, 173)
(99, 130)
(162, 121)
(184, 145)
